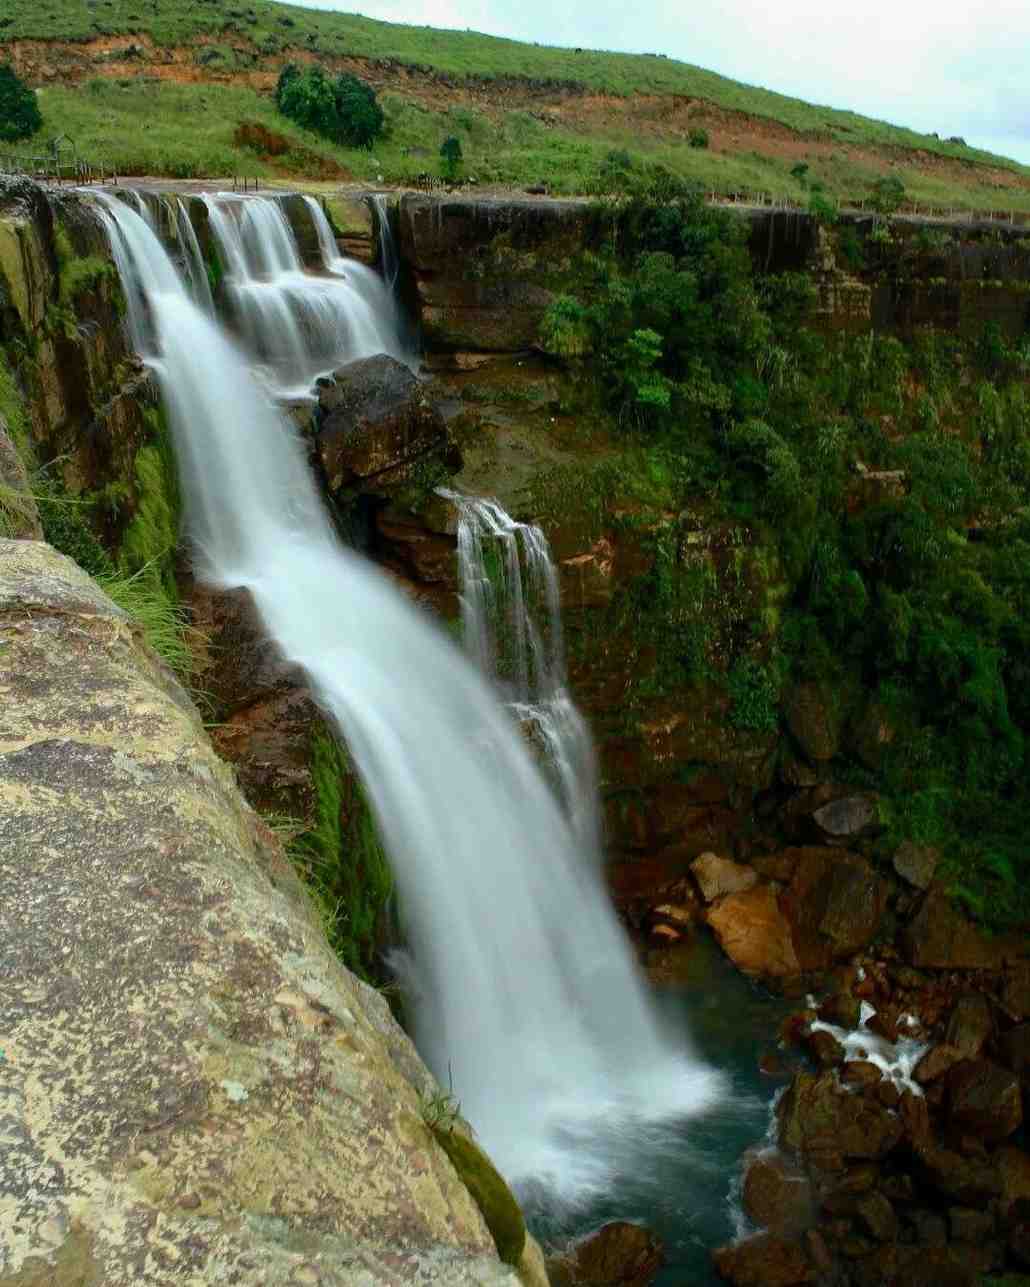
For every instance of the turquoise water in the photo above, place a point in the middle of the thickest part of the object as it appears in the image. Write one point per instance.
(684, 1183)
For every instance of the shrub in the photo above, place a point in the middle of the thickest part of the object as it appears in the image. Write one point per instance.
(698, 137)
(450, 156)
(20, 116)
(888, 194)
(800, 172)
(344, 110)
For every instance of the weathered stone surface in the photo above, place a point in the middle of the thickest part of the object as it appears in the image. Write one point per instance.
(845, 819)
(484, 268)
(985, 1099)
(618, 1253)
(966, 1180)
(19, 517)
(754, 933)
(940, 938)
(817, 1115)
(717, 876)
(970, 1025)
(194, 1088)
(777, 1196)
(764, 1261)
(27, 269)
(935, 1063)
(1014, 1048)
(916, 864)
(376, 423)
(813, 716)
(834, 903)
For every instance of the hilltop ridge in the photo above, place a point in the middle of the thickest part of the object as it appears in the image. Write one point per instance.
(525, 113)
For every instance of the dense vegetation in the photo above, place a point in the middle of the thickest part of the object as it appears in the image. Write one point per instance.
(871, 501)
(344, 110)
(19, 113)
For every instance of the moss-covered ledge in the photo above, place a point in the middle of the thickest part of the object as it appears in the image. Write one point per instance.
(192, 1088)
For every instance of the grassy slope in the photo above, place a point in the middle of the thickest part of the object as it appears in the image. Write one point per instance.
(515, 147)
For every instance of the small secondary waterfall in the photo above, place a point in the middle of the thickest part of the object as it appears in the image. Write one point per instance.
(528, 1001)
(389, 260)
(511, 619)
(296, 326)
(193, 260)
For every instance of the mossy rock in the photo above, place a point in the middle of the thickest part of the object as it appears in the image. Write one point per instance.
(492, 1195)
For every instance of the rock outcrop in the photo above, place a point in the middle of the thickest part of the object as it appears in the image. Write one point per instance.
(192, 1088)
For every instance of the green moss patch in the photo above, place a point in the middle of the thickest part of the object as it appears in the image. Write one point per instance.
(493, 1197)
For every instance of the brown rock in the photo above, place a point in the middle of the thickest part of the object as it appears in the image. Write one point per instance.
(817, 1114)
(617, 1253)
(969, 1225)
(970, 1026)
(916, 864)
(754, 933)
(969, 1181)
(985, 1099)
(763, 1261)
(860, 1073)
(842, 1009)
(777, 1196)
(1015, 994)
(376, 423)
(875, 1215)
(1014, 1048)
(935, 1267)
(1014, 1174)
(717, 876)
(940, 938)
(813, 717)
(835, 904)
(824, 1048)
(935, 1063)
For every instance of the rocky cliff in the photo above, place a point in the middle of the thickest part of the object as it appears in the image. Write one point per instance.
(193, 1088)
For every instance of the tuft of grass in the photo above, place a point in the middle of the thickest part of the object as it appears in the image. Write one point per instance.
(164, 622)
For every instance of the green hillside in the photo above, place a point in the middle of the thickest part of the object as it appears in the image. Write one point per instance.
(233, 39)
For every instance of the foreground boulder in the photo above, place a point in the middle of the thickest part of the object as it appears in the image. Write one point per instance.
(619, 1254)
(192, 1088)
(375, 425)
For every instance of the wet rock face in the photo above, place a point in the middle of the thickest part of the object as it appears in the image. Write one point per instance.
(619, 1254)
(193, 1083)
(375, 425)
(939, 937)
(778, 1195)
(486, 269)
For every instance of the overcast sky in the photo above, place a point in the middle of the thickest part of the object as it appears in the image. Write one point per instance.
(957, 68)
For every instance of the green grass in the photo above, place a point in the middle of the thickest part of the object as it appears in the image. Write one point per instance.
(139, 127)
(229, 36)
(164, 623)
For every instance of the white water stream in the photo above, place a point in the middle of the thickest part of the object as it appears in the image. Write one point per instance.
(528, 1000)
(297, 326)
(511, 619)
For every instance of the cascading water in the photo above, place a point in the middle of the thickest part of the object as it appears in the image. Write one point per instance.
(295, 325)
(389, 261)
(511, 621)
(193, 261)
(528, 1001)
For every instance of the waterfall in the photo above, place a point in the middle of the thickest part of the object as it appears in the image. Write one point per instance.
(511, 621)
(388, 257)
(528, 1002)
(295, 326)
(193, 260)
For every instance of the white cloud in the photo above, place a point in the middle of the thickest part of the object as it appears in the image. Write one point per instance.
(937, 65)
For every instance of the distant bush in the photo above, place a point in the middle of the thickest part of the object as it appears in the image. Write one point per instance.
(821, 207)
(344, 110)
(450, 157)
(800, 172)
(888, 194)
(698, 137)
(20, 116)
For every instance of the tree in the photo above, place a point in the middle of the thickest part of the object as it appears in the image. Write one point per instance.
(888, 194)
(19, 112)
(698, 137)
(450, 153)
(344, 110)
(359, 115)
